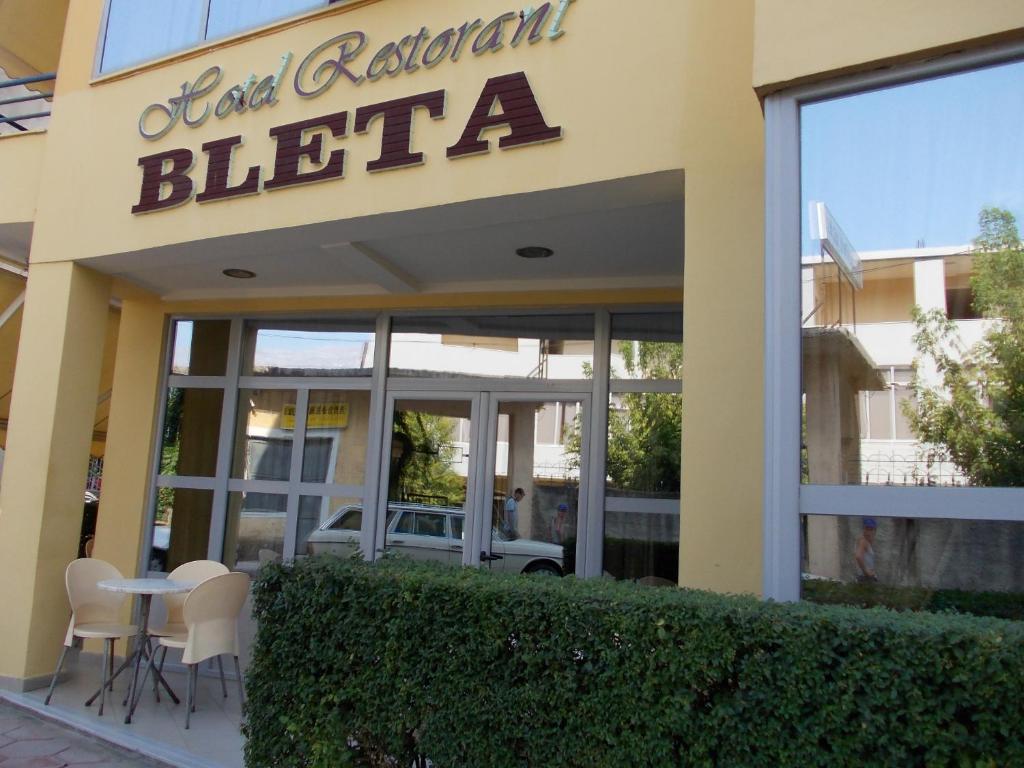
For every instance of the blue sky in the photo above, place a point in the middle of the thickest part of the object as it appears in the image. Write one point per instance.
(917, 162)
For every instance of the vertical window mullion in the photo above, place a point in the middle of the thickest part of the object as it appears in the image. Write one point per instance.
(376, 429)
(225, 447)
(291, 524)
(590, 523)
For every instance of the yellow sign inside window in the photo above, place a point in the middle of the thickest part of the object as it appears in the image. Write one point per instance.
(319, 416)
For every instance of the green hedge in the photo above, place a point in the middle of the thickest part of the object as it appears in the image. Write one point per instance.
(377, 665)
(1002, 605)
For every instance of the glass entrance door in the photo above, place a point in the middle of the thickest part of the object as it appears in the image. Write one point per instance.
(536, 483)
(506, 492)
(428, 483)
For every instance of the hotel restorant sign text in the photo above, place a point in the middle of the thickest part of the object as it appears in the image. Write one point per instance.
(166, 182)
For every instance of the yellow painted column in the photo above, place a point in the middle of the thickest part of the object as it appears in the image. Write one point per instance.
(56, 383)
(135, 398)
(723, 309)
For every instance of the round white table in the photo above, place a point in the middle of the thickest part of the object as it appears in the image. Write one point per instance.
(145, 589)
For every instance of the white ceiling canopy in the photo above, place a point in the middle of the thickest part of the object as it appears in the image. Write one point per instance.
(622, 233)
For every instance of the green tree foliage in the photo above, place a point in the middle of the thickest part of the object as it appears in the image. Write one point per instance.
(424, 451)
(976, 417)
(644, 435)
(644, 432)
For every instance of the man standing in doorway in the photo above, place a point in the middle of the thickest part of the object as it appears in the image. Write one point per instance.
(512, 512)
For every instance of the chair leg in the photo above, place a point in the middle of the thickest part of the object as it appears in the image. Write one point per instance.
(223, 685)
(53, 683)
(241, 685)
(188, 697)
(103, 677)
(195, 685)
(111, 667)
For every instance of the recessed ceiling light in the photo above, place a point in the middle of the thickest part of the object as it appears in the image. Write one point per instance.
(240, 274)
(535, 252)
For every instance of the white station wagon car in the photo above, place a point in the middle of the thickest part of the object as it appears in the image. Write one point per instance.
(425, 532)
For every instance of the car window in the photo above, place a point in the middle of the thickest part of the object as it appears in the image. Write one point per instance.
(406, 523)
(457, 521)
(350, 521)
(430, 524)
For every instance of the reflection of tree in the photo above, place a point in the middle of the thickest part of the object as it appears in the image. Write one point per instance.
(423, 452)
(977, 416)
(644, 432)
(171, 447)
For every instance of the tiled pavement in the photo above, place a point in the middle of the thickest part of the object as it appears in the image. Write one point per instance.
(30, 741)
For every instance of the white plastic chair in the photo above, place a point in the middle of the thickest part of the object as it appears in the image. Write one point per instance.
(95, 613)
(211, 613)
(197, 571)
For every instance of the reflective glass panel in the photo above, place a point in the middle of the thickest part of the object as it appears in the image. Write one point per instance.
(139, 30)
(264, 431)
(535, 347)
(647, 346)
(968, 566)
(308, 348)
(428, 474)
(191, 432)
(536, 487)
(912, 278)
(200, 347)
(229, 16)
(181, 530)
(329, 524)
(255, 530)
(337, 427)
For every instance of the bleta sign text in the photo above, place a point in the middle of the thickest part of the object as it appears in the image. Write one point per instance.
(507, 101)
(166, 182)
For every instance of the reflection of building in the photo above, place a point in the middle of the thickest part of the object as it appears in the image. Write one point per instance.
(878, 446)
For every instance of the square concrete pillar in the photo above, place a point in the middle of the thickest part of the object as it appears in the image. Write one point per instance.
(56, 384)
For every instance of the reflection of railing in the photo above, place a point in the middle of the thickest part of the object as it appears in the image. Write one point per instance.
(16, 120)
(897, 469)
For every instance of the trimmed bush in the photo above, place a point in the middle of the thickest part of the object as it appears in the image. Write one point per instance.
(1002, 605)
(383, 664)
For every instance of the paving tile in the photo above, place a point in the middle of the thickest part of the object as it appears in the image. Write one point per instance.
(30, 730)
(32, 762)
(10, 722)
(34, 748)
(86, 754)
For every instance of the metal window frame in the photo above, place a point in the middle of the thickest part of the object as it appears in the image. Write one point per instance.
(784, 498)
(483, 392)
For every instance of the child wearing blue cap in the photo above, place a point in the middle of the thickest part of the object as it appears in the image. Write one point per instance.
(864, 553)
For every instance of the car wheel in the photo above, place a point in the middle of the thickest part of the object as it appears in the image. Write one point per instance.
(543, 569)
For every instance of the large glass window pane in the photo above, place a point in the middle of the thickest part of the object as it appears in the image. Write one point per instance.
(138, 30)
(964, 565)
(428, 474)
(337, 428)
(191, 432)
(647, 346)
(912, 264)
(181, 531)
(308, 348)
(536, 488)
(329, 524)
(535, 347)
(255, 530)
(264, 431)
(229, 16)
(200, 347)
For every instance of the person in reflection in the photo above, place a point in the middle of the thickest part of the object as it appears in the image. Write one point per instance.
(558, 525)
(512, 512)
(864, 553)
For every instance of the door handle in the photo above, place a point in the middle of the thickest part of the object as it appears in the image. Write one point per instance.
(456, 547)
(397, 541)
(485, 558)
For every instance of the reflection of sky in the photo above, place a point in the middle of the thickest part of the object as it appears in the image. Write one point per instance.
(917, 162)
(311, 349)
(182, 346)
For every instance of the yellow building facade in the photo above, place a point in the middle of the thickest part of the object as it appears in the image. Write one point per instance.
(379, 162)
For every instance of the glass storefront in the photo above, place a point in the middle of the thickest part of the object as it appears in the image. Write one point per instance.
(489, 457)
